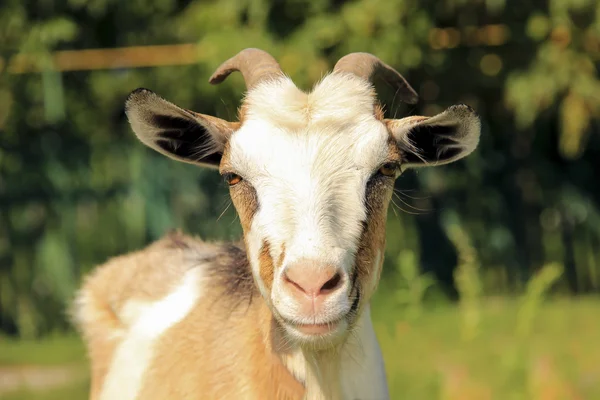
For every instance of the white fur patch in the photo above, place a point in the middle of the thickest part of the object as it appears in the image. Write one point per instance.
(363, 370)
(148, 322)
(309, 157)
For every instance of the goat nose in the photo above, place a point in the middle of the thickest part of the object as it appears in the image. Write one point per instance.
(312, 280)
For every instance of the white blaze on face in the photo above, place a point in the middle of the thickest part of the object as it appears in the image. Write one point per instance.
(309, 158)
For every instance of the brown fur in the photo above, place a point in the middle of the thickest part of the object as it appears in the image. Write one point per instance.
(379, 111)
(281, 256)
(266, 266)
(242, 111)
(231, 358)
(242, 194)
(377, 198)
(223, 347)
(109, 287)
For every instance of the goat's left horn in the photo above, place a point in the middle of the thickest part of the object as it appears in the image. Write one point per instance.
(367, 66)
(255, 65)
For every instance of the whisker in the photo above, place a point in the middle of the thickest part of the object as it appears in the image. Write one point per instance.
(226, 109)
(234, 218)
(410, 205)
(394, 209)
(405, 211)
(403, 193)
(225, 210)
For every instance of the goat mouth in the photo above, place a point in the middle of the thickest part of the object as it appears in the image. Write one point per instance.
(316, 329)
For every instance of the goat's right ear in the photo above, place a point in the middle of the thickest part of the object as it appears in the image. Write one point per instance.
(175, 132)
(441, 139)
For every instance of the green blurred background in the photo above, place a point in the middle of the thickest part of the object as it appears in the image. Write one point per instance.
(490, 287)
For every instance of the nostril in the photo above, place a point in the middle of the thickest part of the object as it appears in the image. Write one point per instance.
(294, 284)
(331, 284)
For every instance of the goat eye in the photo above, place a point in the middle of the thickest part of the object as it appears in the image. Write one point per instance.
(388, 169)
(232, 178)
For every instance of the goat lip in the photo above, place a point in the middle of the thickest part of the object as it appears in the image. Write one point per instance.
(316, 329)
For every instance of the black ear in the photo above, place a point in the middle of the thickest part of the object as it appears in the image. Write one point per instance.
(437, 140)
(178, 133)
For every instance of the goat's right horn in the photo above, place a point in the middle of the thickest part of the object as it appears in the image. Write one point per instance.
(255, 65)
(367, 66)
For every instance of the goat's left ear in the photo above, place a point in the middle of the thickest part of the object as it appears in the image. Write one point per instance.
(441, 139)
(178, 133)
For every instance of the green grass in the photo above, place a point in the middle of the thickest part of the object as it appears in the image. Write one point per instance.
(429, 357)
(76, 391)
(44, 355)
(48, 351)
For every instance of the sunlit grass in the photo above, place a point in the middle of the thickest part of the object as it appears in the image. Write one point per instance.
(49, 351)
(429, 358)
(76, 391)
(52, 368)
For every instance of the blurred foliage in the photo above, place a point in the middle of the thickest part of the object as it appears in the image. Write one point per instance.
(415, 285)
(76, 187)
(467, 280)
(532, 299)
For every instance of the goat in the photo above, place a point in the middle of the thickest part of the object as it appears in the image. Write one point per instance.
(284, 314)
